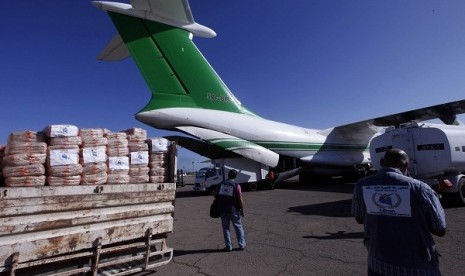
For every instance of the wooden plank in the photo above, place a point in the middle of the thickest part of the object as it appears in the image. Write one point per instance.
(43, 191)
(13, 207)
(43, 244)
(42, 222)
(46, 221)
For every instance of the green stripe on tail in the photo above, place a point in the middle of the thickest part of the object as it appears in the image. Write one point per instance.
(175, 71)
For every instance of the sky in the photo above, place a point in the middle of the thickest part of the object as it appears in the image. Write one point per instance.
(311, 63)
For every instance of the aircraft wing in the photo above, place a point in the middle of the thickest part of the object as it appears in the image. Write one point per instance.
(364, 130)
(233, 144)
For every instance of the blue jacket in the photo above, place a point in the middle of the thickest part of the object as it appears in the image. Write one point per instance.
(399, 214)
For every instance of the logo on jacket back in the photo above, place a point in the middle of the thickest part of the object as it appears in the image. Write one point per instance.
(387, 200)
(226, 190)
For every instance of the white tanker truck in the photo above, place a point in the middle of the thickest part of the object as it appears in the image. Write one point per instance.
(436, 152)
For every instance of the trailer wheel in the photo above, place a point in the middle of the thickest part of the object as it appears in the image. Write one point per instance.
(461, 192)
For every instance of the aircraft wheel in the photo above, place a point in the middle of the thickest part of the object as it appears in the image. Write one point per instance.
(212, 189)
(253, 186)
(461, 192)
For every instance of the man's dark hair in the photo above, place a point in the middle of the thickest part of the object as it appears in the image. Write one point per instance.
(394, 158)
(232, 174)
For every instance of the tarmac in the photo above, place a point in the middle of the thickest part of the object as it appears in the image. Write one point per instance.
(295, 229)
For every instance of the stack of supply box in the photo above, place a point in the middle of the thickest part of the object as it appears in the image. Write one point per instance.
(118, 160)
(23, 163)
(93, 155)
(159, 160)
(63, 166)
(2, 154)
(138, 155)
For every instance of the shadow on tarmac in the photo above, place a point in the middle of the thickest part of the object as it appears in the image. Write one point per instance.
(333, 185)
(337, 236)
(178, 253)
(191, 193)
(336, 209)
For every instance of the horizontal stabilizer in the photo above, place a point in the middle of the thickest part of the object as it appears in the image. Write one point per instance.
(170, 12)
(239, 146)
(115, 51)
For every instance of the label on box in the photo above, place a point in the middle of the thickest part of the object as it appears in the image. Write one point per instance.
(64, 157)
(94, 155)
(140, 158)
(118, 163)
(63, 131)
(159, 144)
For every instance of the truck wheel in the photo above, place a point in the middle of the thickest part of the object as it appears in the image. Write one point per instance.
(461, 192)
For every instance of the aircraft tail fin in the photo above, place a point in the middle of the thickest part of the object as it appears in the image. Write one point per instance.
(158, 36)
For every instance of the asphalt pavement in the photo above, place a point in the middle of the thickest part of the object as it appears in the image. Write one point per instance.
(296, 229)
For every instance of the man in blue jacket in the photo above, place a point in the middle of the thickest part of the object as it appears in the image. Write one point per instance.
(399, 214)
(230, 204)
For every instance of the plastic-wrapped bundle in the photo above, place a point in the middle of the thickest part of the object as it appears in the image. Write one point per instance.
(159, 171)
(25, 156)
(160, 174)
(26, 136)
(94, 159)
(136, 132)
(118, 169)
(112, 142)
(25, 147)
(138, 146)
(2, 154)
(118, 178)
(93, 155)
(157, 179)
(63, 180)
(139, 178)
(117, 151)
(93, 137)
(94, 168)
(158, 145)
(159, 160)
(61, 131)
(117, 144)
(158, 156)
(63, 155)
(27, 170)
(116, 136)
(138, 161)
(24, 159)
(21, 181)
(63, 167)
(64, 141)
(89, 133)
(94, 142)
(135, 170)
(94, 179)
(65, 170)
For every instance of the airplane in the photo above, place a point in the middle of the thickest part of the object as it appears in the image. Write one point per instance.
(189, 97)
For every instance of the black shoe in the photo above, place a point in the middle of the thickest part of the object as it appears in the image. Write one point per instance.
(241, 248)
(227, 249)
